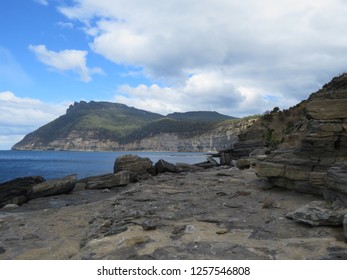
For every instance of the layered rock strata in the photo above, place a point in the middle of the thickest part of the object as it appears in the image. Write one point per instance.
(317, 164)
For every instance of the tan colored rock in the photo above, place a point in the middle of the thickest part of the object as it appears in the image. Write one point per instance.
(269, 169)
(327, 109)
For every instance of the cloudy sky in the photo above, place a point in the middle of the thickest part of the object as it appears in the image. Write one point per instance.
(234, 57)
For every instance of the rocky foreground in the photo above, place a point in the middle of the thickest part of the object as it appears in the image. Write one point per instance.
(216, 213)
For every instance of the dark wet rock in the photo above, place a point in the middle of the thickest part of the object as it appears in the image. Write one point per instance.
(2, 250)
(54, 187)
(319, 213)
(18, 191)
(112, 180)
(139, 167)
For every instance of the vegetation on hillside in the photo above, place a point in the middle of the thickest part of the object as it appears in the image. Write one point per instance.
(118, 122)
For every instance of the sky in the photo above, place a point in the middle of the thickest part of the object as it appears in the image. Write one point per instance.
(235, 57)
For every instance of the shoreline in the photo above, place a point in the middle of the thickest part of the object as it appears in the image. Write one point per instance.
(217, 213)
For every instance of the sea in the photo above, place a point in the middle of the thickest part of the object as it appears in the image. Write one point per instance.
(57, 164)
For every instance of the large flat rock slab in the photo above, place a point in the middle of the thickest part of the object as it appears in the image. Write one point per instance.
(207, 214)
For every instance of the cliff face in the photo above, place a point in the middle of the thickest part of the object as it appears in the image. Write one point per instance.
(104, 126)
(221, 137)
(317, 161)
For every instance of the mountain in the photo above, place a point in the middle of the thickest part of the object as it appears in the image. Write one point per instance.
(114, 126)
(204, 116)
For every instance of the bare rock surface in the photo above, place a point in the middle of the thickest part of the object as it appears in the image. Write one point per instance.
(208, 214)
(318, 213)
(18, 191)
(316, 163)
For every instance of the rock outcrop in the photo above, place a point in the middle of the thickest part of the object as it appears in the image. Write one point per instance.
(316, 163)
(18, 191)
(319, 213)
(21, 190)
(54, 187)
(218, 213)
(138, 167)
(105, 181)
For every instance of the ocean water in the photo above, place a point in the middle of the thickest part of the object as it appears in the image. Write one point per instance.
(57, 164)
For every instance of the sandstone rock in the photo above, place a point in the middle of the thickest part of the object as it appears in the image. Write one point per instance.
(163, 166)
(138, 167)
(270, 169)
(54, 187)
(315, 165)
(327, 109)
(18, 191)
(108, 181)
(319, 213)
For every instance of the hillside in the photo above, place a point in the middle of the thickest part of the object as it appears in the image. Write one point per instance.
(113, 126)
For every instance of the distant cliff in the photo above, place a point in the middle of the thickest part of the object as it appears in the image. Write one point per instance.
(105, 126)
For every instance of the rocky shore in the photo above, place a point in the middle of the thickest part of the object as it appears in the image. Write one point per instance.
(280, 194)
(184, 212)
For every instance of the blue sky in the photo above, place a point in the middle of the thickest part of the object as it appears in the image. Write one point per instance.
(234, 57)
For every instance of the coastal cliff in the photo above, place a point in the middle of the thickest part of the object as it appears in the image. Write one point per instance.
(103, 126)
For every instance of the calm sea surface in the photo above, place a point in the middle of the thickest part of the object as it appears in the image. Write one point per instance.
(56, 164)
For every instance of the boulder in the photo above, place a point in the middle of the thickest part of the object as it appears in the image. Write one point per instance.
(54, 187)
(245, 162)
(319, 213)
(108, 181)
(18, 191)
(345, 227)
(139, 167)
(163, 166)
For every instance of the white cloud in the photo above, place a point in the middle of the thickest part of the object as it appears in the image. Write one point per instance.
(213, 91)
(19, 116)
(285, 49)
(66, 60)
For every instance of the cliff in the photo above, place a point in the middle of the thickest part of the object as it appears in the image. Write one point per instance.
(110, 126)
(316, 162)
